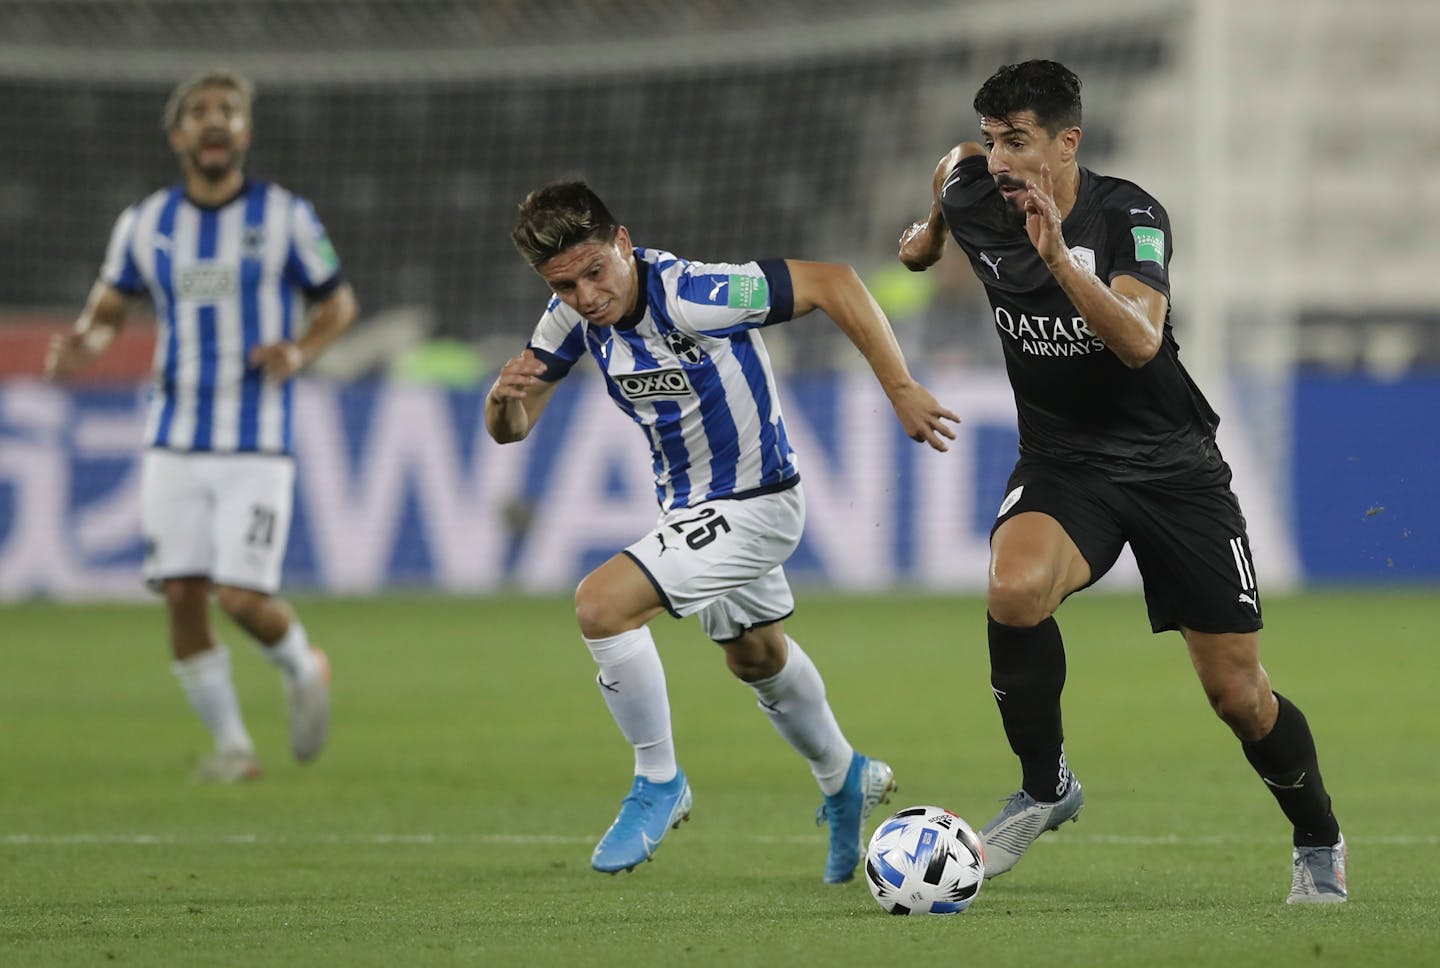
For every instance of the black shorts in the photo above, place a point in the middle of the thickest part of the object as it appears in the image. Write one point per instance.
(1188, 537)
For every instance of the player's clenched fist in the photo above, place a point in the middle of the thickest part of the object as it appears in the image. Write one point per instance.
(280, 361)
(517, 376)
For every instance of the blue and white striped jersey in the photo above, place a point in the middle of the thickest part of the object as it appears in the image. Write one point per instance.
(689, 366)
(223, 280)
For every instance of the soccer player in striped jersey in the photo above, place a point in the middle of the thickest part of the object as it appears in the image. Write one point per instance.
(679, 346)
(246, 289)
(1117, 446)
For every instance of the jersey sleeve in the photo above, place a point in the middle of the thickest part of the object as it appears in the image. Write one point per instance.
(967, 171)
(967, 183)
(720, 299)
(120, 270)
(558, 341)
(1141, 246)
(963, 195)
(312, 265)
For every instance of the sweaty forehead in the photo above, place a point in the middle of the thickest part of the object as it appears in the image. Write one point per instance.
(572, 262)
(1021, 122)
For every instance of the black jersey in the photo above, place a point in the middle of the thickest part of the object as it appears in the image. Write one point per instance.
(1076, 400)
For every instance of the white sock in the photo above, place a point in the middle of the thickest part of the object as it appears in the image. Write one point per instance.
(632, 680)
(206, 680)
(292, 653)
(794, 699)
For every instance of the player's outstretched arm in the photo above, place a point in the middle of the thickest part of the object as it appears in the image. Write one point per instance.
(923, 243)
(101, 319)
(837, 289)
(329, 319)
(517, 398)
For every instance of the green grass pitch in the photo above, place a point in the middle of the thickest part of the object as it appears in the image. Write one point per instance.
(472, 765)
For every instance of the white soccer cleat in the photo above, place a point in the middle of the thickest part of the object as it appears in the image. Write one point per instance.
(308, 700)
(1319, 876)
(1011, 832)
(227, 766)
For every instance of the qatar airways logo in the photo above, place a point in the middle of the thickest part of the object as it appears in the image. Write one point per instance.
(651, 384)
(1054, 336)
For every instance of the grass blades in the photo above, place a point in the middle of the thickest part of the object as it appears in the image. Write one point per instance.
(472, 766)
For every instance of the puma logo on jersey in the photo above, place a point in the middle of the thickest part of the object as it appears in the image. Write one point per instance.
(719, 284)
(1246, 599)
(650, 384)
(1143, 211)
(994, 265)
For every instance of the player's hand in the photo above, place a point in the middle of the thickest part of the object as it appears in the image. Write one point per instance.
(517, 377)
(64, 355)
(280, 361)
(68, 353)
(922, 416)
(921, 246)
(1042, 218)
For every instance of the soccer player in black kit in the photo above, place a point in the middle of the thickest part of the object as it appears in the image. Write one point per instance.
(1117, 445)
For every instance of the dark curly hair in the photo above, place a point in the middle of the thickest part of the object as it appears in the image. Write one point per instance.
(1049, 89)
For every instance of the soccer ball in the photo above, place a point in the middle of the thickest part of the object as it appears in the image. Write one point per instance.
(924, 860)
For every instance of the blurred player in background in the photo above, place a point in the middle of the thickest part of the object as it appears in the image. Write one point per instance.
(678, 343)
(232, 267)
(1117, 445)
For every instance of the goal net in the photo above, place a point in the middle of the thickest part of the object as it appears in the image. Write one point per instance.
(721, 130)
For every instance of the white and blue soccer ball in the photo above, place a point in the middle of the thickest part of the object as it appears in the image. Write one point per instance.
(924, 860)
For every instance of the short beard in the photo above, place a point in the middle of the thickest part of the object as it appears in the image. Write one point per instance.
(1014, 206)
(217, 173)
(1014, 212)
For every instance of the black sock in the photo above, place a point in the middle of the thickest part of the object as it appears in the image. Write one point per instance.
(1285, 759)
(1027, 672)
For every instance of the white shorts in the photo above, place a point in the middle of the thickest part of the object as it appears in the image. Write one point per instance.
(723, 559)
(222, 516)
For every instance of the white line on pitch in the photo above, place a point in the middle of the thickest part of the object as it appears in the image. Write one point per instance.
(535, 840)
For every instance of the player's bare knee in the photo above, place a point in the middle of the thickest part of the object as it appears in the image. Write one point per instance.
(186, 593)
(1020, 598)
(752, 658)
(243, 605)
(595, 611)
(1240, 707)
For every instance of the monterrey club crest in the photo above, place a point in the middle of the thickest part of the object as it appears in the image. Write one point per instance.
(683, 346)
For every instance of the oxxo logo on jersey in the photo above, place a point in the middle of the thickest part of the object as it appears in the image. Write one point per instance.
(205, 282)
(650, 384)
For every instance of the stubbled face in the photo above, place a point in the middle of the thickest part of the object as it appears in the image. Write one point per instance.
(1019, 147)
(213, 134)
(598, 280)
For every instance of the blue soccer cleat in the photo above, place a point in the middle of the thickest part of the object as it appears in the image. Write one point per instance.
(646, 814)
(867, 783)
